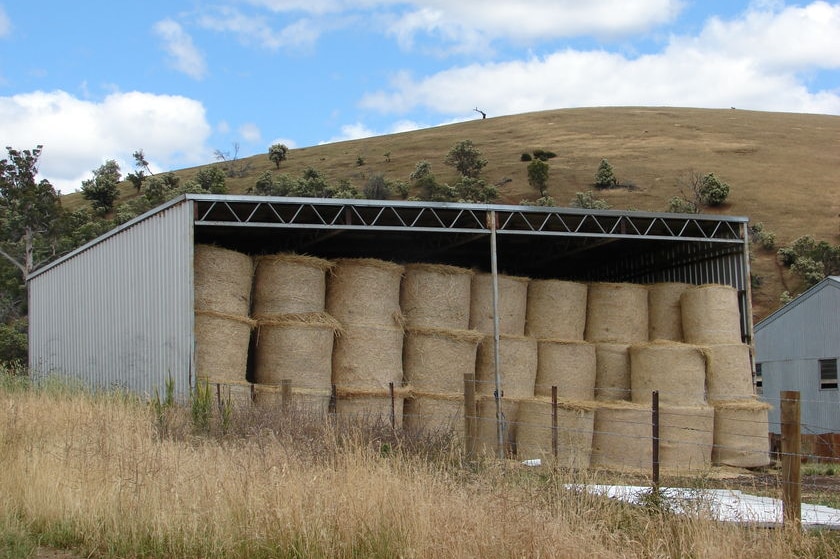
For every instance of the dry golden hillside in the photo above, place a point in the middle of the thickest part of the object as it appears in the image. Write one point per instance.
(783, 169)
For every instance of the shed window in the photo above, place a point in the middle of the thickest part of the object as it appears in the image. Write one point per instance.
(828, 374)
(759, 380)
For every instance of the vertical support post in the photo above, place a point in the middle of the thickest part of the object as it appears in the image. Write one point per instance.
(494, 270)
(791, 458)
(286, 393)
(469, 414)
(333, 399)
(554, 444)
(393, 415)
(655, 438)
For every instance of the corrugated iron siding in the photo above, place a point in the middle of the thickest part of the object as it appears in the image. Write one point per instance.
(789, 348)
(118, 314)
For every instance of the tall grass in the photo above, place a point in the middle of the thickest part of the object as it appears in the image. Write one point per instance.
(98, 474)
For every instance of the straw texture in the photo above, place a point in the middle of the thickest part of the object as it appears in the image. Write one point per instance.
(436, 360)
(222, 280)
(686, 436)
(710, 315)
(665, 312)
(617, 313)
(677, 371)
(568, 365)
(574, 434)
(517, 366)
(512, 304)
(436, 296)
(221, 346)
(741, 438)
(556, 310)
(622, 437)
(365, 291)
(729, 372)
(612, 372)
(290, 284)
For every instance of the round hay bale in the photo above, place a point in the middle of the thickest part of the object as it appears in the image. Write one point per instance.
(556, 310)
(729, 372)
(434, 414)
(664, 311)
(308, 402)
(436, 296)
(512, 304)
(365, 291)
(487, 440)
(621, 436)
(221, 346)
(222, 280)
(436, 360)
(568, 365)
(617, 313)
(612, 372)
(677, 371)
(295, 347)
(741, 434)
(367, 357)
(290, 284)
(574, 433)
(370, 409)
(710, 315)
(517, 366)
(686, 435)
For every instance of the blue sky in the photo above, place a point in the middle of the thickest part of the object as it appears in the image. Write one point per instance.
(97, 79)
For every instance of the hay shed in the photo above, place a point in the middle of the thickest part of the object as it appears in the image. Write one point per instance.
(153, 336)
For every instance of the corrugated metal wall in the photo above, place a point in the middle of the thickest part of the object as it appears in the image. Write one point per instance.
(789, 347)
(118, 313)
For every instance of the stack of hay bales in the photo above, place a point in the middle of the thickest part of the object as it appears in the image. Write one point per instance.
(438, 347)
(711, 319)
(556, 317)
(517, 356)
(363, 294)
(294, 340)
(617, 317)
(678, 372)
(222, 283)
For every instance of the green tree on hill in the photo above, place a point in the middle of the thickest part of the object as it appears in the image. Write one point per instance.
(278, 153)
(605, 177)
(103, 189)
(538, 176)
(466, 158)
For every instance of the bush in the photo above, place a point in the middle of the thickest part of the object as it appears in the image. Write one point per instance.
(680, 205)
(538, 175)
(544, 155)
(525, 157)
(712, 190)
(14, 342)
(765, 239)
(376, 188)
(589, 201)
(605, 177)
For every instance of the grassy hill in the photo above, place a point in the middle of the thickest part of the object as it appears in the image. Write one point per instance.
(783, 169)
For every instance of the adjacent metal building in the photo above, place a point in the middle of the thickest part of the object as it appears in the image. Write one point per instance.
(797, 348)
(118, 312)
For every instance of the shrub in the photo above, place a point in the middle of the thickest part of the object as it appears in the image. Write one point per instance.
(713, 191)
(544, 155)
(590, 201)
(525, 157)
(605, 177)
(466, 158)
(13, 342)
(538, 175)
(765, 239)
(376, 188)
(680, 205)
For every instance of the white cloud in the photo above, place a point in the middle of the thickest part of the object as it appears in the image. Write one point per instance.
(788, 39)
(302, 33)
(250, 132)
(5, 23)
(78, 135)
(748, 63)
(178, 44)
(354, 131)
(289, 143)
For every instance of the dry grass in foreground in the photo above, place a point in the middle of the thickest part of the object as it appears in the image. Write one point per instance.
(110, 476)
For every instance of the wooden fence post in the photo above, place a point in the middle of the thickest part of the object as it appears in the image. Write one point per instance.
(655, 437)
(791, 458)
(469, 415)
